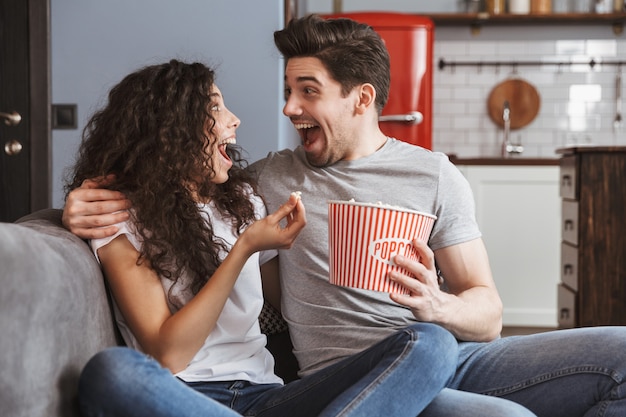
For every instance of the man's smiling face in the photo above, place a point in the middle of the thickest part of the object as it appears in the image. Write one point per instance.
(319, 111)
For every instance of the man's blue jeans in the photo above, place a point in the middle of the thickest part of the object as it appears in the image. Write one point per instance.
(567, 373)
(397, 377)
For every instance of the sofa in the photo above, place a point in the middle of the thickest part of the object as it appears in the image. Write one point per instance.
(55, 313)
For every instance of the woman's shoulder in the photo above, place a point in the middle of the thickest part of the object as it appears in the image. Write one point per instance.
(255, 198)
(126, 228)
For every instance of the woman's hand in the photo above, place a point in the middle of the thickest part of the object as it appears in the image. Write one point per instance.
(278, 230)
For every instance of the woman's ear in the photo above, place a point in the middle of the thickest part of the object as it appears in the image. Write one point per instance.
(366, 98)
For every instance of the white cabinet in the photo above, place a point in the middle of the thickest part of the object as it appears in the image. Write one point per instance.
(519, 213)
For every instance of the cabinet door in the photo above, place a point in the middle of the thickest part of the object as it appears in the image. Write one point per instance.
(518, 210)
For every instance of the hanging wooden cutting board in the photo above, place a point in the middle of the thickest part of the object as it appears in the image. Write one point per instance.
(523, 98)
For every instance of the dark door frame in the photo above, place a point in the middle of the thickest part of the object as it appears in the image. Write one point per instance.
(40, 104)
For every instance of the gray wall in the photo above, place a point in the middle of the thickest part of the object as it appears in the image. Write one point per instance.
(95, 43)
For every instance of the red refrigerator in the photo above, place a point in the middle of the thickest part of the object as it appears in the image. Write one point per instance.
(409, 39)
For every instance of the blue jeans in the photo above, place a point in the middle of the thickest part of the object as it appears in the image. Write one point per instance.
(566, 373)
(415, 363)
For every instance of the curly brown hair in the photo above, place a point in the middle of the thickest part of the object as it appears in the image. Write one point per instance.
(152, 135)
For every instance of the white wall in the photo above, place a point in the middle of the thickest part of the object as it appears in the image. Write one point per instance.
(95, 43)
(461, 124)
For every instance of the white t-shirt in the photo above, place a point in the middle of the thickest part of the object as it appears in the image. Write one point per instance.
(235, 349)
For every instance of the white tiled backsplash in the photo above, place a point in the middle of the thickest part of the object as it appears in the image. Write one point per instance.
(578, 103)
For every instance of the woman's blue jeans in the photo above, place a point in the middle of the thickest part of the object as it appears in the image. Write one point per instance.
(397, 377)
(566, 373)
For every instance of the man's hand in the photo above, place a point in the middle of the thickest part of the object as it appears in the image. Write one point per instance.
(470, 307)
(91, 211)
(425, 299)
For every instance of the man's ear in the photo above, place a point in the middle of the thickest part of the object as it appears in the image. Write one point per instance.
(366, 98)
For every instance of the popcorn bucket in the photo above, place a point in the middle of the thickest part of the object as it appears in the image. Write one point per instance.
(364, 238)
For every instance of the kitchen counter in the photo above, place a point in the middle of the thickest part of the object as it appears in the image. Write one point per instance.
(570, 150)
(503, 161)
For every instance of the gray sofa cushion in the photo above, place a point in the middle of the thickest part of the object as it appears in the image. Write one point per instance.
(54, 315)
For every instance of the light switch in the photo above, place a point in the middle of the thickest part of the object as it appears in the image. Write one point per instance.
(64, 116)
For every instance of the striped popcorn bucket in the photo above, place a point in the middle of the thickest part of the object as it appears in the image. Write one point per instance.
(364, 238)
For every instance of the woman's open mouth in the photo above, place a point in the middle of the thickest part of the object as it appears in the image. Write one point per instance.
(222, 148)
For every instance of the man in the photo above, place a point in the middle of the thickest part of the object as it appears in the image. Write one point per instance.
(336, 83)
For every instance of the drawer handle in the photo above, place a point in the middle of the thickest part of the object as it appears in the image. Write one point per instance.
(569, 225)
(564, 313)
(566, 181)
(568, 269)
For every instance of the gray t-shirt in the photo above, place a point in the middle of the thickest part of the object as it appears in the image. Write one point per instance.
(327, 322)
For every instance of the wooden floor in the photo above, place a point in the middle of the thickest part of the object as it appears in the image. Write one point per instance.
(512, 331)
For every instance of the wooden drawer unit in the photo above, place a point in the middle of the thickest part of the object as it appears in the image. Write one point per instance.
(567, 307)
(569, 265)
(592, 291)
(568, 177)
(569, 226)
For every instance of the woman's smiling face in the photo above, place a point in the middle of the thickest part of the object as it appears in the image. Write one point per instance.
(222, 134)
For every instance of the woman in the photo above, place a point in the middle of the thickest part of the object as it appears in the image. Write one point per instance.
(184, 269)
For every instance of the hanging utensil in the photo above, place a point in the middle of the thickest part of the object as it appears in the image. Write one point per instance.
(617, 122)
(523, 99)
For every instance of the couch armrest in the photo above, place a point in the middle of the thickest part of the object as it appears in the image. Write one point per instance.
(54, 315)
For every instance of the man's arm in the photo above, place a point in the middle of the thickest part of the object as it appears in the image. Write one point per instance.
(271, 283)
(471, 308)
(91, 212)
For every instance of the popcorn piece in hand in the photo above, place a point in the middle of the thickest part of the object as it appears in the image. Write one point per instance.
(298, 194)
